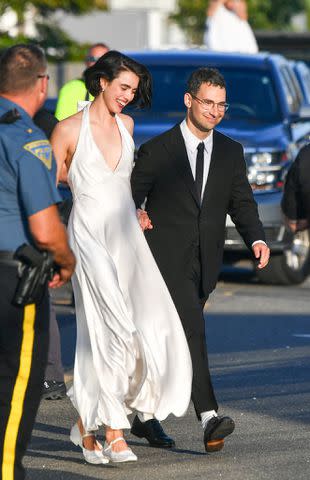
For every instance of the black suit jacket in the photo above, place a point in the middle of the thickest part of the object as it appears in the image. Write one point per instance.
(162, 174)
(296, 196)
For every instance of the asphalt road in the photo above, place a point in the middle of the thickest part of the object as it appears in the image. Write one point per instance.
(259, 344)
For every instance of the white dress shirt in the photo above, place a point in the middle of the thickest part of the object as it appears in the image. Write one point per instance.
(191, 144)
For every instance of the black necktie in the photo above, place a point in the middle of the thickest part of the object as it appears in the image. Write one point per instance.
(199, 168)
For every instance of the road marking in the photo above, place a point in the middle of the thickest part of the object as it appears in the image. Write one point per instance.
(301, 335)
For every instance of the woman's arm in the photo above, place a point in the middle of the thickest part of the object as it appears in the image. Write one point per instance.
(213, 6)
(62, 139)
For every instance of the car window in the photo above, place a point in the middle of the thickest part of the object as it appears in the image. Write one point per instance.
(293, 95)
(303, 74)
(250, 93)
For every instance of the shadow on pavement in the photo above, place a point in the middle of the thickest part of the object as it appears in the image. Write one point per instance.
(33, 473)
(170, 450)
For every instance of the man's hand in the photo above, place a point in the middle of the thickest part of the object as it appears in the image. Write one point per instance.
(144, 220)
(261, 252)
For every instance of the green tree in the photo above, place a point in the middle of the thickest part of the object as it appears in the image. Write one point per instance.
(273, 14)
(46, 7)
(56, 42)
(263, 14)
(190, 16)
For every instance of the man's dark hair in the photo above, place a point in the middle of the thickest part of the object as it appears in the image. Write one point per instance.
(204, 75)
(109, 66)
(19, 68)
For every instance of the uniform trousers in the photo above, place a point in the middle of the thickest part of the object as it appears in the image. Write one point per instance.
(23, 355)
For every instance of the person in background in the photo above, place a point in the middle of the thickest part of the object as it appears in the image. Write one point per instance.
(28, 215)
(227, 27)
(75, 90)
(54, 387)
(296, 197)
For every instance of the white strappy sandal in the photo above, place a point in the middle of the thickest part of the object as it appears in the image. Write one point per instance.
(91, 456)
(118, 457)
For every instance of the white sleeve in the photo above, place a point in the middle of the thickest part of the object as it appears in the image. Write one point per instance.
(220, 30)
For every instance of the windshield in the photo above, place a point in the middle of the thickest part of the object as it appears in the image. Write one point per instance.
(250, 93)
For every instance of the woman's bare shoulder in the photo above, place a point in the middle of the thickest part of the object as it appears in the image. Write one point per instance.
(74, 121)
(128, 122)
(69, 128)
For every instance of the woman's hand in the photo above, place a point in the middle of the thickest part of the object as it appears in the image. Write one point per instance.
(144, 220)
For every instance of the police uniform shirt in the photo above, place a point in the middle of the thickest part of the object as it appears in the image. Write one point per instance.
(27, 176)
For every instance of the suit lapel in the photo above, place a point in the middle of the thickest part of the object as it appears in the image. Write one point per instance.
(175, 146)
(215, 170)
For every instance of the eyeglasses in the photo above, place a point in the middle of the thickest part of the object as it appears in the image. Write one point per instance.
(44, 75)
(91, 58)
(209, 104)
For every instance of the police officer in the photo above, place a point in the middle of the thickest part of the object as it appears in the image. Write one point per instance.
(28, 214)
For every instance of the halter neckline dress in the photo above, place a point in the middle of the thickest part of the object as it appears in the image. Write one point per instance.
(131, 351)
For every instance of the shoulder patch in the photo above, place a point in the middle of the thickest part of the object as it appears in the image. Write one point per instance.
(42, 150)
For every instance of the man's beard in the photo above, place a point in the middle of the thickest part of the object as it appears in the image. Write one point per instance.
(199, 125)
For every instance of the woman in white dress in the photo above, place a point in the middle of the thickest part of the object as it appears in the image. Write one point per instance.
(131, 351)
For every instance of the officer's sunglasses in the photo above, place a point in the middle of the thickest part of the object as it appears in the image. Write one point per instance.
(91, 58)
(44, 75)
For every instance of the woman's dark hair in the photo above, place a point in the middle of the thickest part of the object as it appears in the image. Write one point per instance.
(109, 66)
(204, 75)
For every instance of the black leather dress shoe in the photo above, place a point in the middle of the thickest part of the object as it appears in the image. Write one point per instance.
(53, 390)
(153, 432)
(216, 430)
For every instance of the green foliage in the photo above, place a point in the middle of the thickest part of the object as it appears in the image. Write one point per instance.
(72, 6)
(263, 14)
(57, 44)
(48, 6)
(191, 16)
(273, 14)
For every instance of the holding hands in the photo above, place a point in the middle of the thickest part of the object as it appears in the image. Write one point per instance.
(144, 220)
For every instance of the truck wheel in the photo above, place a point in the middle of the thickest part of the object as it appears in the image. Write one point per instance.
(290, 267)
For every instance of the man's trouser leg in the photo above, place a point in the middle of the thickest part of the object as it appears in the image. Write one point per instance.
(187, 297)
(194, 327)
(23, 351)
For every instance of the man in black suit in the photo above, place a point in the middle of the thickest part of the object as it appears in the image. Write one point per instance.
(191, 177)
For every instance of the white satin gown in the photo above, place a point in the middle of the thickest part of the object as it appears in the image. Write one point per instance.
(131, 351)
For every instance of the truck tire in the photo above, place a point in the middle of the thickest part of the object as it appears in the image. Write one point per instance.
(290, 267)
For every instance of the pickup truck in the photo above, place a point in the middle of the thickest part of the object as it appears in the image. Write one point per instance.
(267, 115)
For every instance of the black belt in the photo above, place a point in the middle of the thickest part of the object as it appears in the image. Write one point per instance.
(7, 258)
